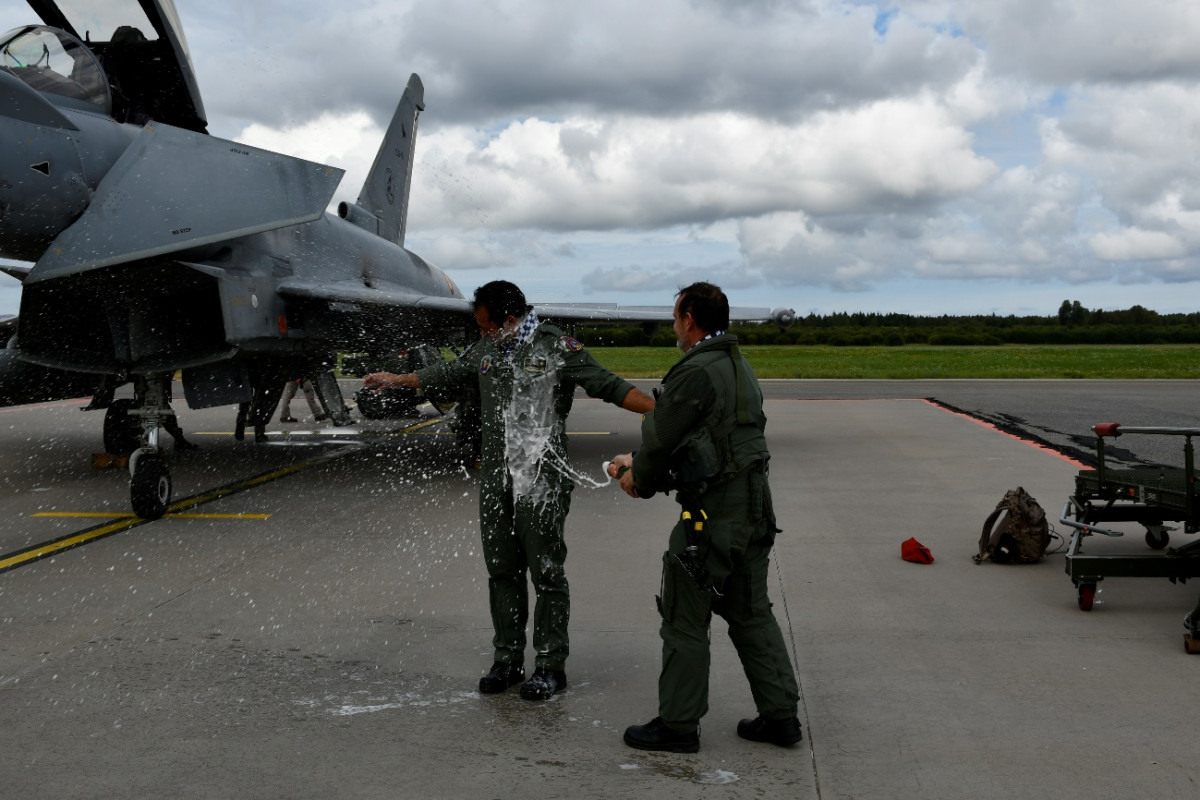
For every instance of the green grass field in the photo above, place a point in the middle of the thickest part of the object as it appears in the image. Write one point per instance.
(916, 362)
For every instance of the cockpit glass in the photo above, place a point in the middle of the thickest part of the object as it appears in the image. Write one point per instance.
(97, 20)
(54, 62)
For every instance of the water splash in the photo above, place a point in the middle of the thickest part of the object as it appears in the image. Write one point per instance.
(530, 424)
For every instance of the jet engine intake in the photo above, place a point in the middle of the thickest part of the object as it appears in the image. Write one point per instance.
(784, 318)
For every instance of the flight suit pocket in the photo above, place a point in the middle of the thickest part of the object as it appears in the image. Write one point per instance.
(758, 496)
(666, 590)
(761, 505)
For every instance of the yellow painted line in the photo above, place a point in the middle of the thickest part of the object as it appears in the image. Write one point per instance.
(332, 433)
(451, 433)
(410, 429)
(110, 515)
(50, 548)
(126, 521)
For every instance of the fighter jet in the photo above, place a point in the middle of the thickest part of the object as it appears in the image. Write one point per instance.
(157, 248)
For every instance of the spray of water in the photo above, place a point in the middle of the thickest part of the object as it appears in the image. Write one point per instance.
(530, 425)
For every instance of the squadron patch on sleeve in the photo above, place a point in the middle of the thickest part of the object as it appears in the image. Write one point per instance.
(485, 364)
(570, 345)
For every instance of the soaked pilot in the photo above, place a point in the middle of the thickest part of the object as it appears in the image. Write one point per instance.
(526, 371)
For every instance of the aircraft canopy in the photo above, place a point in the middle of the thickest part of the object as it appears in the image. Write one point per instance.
(52, 61)
(140, 45)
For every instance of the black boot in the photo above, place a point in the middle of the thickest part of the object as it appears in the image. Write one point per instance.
(544, 684)
(655, 735)
(501, 677)
(783, 732)
(239, 427)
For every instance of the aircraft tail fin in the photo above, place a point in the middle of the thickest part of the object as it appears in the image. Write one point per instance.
(385, 193)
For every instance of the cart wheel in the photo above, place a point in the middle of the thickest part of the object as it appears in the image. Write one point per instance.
(1157, 539)
(1191, 646)
(1087, 596)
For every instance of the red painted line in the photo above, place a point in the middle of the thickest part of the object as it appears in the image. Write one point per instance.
(981, 423)
(991, 427)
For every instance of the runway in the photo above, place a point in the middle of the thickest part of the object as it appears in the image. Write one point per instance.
(312, 622)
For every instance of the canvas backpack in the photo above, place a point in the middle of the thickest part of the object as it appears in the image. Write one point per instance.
(1021, 535)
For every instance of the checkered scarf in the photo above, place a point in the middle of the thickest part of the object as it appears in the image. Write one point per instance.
(524, 334)
(712, 335)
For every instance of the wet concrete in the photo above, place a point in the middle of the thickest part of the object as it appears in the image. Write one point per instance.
(323, 636)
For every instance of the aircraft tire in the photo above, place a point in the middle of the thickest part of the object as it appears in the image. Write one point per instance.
(150, 487)
(122, 433)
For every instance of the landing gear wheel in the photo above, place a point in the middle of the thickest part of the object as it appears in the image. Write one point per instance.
(150, 487)
(122, 433)
(1156, 539)
(1087, 596)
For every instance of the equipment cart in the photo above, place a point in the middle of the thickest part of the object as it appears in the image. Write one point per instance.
(1151, 496)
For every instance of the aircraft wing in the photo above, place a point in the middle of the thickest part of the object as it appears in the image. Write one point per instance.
(18, 271)
(351, 295)
(221, 190)
(611, 312)
(355, 294)
(603, 312)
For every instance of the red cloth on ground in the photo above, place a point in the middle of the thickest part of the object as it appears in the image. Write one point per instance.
(914, 551)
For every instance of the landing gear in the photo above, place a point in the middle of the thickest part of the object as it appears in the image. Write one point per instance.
(122, 431)
(132, 426)
(149, 484)
(330, 395)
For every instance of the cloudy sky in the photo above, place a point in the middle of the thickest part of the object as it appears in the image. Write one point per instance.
(928, 157)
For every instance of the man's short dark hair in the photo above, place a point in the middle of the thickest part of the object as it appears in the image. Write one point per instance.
(707, 304)
(502, 300)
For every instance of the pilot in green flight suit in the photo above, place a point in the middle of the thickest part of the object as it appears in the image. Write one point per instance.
(705, 440)
(527, 372)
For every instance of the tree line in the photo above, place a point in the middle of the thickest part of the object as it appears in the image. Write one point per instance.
(1073, 324)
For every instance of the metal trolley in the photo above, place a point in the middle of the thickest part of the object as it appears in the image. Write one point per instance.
(1151, 496)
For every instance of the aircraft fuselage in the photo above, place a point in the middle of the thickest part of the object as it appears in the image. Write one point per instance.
(152, 290)
(52, 160)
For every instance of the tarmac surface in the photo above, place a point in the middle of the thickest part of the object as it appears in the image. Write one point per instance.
(311, 619)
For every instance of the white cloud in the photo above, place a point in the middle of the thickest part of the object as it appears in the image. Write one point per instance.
(348, 141)
(1135, 244)
(587, 174)
(1083, 41)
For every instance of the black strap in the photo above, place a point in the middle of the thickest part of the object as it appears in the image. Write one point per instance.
(988, 539)
(742, 402)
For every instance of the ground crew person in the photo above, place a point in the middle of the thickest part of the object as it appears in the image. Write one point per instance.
(704, 440)
(526, 372)
(289, 392)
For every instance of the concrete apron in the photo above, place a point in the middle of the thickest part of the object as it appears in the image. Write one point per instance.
(333, 650)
